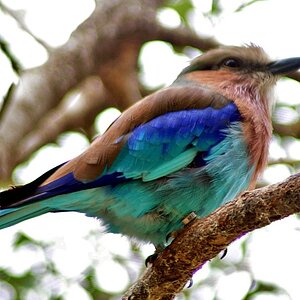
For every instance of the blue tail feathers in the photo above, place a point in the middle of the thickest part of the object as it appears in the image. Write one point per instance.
(12, 216)
(20, 203)
(15, 195)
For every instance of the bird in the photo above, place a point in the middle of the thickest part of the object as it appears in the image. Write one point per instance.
(183, 150)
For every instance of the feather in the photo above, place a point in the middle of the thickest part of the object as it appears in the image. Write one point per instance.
(18, 193)
(171, 166)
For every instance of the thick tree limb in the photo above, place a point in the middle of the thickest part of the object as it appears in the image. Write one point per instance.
(203, 239)
(118, 87)
(184, 36)
(69, 115)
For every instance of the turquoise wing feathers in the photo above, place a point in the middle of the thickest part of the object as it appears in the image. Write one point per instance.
(172, 141)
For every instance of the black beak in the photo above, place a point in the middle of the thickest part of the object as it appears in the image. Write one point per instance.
(284, 66)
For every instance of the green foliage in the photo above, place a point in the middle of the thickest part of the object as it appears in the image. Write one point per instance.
(19, 282)
(182, 7)
(22, 239)
(260, 287)
(33, 278)
(246, 4)
(89, 284)
(215, 7)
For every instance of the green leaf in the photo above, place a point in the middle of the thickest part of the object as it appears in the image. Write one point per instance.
(215, 7)
(22, 239)
(90, 286)
(244, 248)
(182, 7)
(244, 5)
(263, 287)
(26, 280)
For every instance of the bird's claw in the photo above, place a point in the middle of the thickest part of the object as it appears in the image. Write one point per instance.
(224, 253)
(190, 283)
(172, 235)
(151, 259)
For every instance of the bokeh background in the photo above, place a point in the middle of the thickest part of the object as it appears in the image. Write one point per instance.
(67, 70)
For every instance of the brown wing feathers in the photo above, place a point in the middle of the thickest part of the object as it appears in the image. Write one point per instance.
(105, 149)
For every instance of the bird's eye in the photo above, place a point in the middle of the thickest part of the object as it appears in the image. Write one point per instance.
(231, 63)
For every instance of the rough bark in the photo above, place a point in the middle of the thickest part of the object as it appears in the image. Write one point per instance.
(202, 239)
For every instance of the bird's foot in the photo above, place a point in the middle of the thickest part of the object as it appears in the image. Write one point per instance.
(151, 258)
(190, 283)
(169, 238)
(186, 220)
(189, 218)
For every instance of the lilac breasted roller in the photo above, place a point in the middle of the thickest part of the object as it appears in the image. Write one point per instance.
(189, 147)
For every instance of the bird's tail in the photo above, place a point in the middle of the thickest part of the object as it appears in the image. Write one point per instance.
(21, 203)
(63, 194)
(12, 216)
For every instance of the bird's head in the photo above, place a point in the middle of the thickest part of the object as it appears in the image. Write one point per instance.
(238, 72)
(246, 75)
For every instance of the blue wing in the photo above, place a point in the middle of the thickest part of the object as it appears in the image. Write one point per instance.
(155, 149)
(172, 141)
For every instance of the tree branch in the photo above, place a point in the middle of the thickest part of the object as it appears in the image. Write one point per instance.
(287, 129)
(69, 115)
(203, 239)
(284, 161)
(184, 36)
(18, 16)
